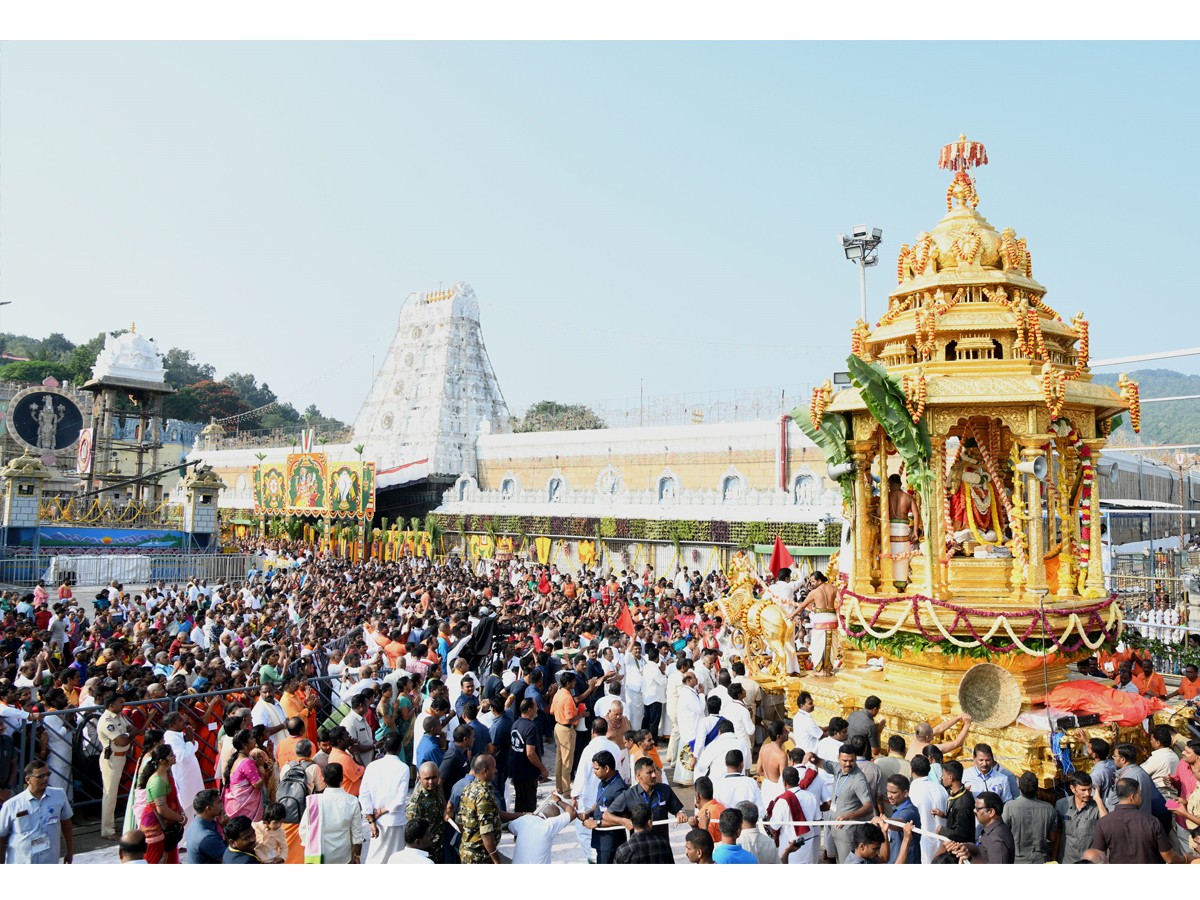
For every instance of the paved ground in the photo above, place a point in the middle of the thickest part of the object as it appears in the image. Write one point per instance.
(90, 849)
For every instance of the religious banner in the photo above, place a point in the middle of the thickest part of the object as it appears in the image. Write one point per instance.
(83, 452)
(306, 482)
(345, 490)
(272, 487)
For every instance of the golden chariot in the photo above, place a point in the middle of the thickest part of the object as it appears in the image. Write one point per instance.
(978, 396)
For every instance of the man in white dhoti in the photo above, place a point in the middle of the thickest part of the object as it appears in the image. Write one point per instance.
(822, 605)
(689, 712)
(189, 780)
(675, 675)
(631, 689)
(382, 796)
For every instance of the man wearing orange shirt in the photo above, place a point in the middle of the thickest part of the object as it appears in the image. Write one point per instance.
(352, 772)
(294, 705)
(1148, 682)
(708, 810)
(1189, 684)
(1109, 662)
(286, 751)
(566, 715)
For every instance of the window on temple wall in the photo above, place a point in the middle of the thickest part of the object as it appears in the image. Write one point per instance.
(952, 351)
(554, 489)
(462, 490)
(668, 487)
(508, 487)
(731, 489)
(998, 350)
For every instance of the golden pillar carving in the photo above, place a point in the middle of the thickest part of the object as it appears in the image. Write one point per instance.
(936, 538)
(1095, 574)
(1068, 530)
(1031, 451)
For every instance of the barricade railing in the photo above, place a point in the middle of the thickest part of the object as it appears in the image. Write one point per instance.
(129, 569)
(69, 746)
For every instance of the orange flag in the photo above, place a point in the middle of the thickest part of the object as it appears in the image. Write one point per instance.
(625, 621)
(780, 558)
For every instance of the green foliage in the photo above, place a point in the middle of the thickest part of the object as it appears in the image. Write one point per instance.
(831, 439)
(551, 416)
(884, 399)
(1187, 655)
(34, 371)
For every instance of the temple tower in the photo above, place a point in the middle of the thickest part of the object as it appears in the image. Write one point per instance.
(434, 392)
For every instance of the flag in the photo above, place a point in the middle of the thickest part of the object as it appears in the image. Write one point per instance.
(780, 558)
(625, 621)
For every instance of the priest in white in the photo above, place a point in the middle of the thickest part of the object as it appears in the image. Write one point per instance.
(382, 796)
(633, 684)
(689, 711)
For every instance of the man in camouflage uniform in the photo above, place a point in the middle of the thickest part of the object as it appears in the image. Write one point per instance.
(479, 816)
(428, 802)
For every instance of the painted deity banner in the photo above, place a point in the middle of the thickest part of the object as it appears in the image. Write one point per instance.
(345, 490)
(368, 490)
(307, 482)
(271, 485)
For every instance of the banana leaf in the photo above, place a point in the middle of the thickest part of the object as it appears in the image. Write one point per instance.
(830, 438)
(884, 399)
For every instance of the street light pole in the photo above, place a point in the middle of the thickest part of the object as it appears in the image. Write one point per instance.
(862, 247)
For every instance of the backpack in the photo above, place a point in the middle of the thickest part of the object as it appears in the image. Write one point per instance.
(794, 807)
(292, 790)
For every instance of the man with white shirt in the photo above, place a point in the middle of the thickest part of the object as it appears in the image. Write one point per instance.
(706, 672)
(806, 733)
(633, 685)
(586, 784)
(339, 838)
(795, 805)
(417, 839)
(711, 761)
(382, 795)
(675, 677)
(737, 787)
(535, 833)
(927, 796)
(654, 692)
(267, 711)
(362, 739)
(735, 711)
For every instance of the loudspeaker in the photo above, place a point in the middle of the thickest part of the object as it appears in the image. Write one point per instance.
(1036, 467)
(839, 471)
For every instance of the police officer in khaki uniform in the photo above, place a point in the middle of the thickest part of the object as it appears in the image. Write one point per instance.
(114, 732)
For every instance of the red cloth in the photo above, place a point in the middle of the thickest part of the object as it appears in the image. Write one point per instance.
(780, 558)
(625, 621)
(1110, 704)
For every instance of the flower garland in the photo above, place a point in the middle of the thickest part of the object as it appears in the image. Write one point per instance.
(1054, 388)
(915, 395)
(858, 340)
(1037, 345)
(964, 186)
(1131, 394)
(942, 306)
(821, 396)
(967, 247)
(1080, 325)
(925, 333)
(855, 624)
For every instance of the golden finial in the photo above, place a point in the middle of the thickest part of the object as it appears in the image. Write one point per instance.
(133, 327)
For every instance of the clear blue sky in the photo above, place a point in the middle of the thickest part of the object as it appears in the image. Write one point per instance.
(623, 211)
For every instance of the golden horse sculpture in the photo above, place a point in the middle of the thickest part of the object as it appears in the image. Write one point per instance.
(762, 630)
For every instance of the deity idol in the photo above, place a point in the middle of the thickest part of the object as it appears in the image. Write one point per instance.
(974, 510)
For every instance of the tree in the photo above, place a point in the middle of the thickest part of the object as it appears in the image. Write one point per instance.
(83, 358)
(549, 415)
(313, 418)
(246, 386)
(216, 400)
(183, 405)
(34, 371)
(57, 348)
(183, 370)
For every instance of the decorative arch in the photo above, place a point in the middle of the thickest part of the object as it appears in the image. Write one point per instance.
(510, 486)
(733, 486)
(464, 487)
(806, 487)
(556, 487)
(609, 482)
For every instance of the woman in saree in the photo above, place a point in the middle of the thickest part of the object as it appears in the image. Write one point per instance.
(162, 817)
(145, 768)
(243, 780)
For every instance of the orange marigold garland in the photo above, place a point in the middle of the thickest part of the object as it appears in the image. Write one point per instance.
(1131, 395)
(1083, 356)
(819, 402)
(925, 333)
(915, 395)
(1054, 388)
(858, 340)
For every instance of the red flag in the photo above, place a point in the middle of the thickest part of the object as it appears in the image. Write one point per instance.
(625, 621)
(780, 558)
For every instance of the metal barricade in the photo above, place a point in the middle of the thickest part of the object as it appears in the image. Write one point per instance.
(67, 742)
